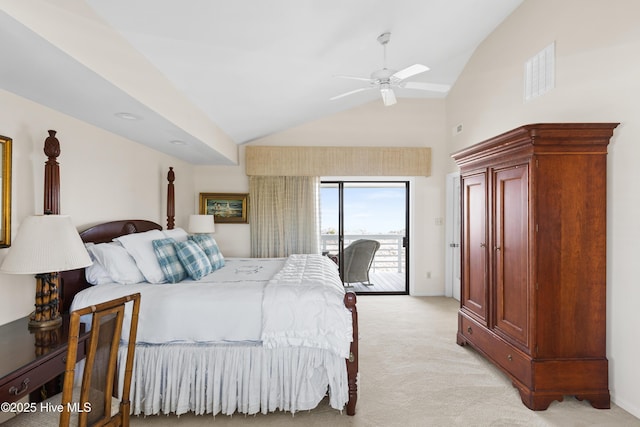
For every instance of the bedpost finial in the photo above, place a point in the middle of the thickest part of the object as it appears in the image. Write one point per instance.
(350, 299)
(51, 174)
(171, 200)
(52, 145)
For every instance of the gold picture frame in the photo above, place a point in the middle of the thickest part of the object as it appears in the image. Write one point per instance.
(228, 208)
(5, 188)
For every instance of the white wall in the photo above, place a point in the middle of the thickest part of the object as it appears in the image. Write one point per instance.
(102, 176)
(233, 239)
(409, 123)
(597, 80)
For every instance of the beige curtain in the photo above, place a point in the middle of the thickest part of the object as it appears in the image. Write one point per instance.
(284, 215)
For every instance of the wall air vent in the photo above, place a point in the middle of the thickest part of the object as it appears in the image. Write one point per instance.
(539, 73)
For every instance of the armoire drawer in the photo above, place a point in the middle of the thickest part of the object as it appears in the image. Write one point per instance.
(498, 351)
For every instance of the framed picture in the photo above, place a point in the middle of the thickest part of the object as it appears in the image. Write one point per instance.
(5, 191)
(225, 207)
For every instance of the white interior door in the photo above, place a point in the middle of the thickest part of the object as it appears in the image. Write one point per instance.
(452, 237)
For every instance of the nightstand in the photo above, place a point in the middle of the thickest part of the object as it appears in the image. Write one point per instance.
(31, 359)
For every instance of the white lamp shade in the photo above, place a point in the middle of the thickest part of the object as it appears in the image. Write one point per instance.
(201, 224)
(46, 244)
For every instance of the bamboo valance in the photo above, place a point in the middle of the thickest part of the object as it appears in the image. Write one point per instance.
(337, 161)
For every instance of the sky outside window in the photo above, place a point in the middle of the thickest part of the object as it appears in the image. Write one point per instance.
(367, 209)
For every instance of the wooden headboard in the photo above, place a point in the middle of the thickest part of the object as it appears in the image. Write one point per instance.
(106, 232)
(73, 281)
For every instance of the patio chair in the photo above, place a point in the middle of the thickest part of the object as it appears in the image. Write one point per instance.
(358, 257)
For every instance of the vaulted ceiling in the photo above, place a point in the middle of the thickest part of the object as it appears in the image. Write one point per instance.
(194, 78)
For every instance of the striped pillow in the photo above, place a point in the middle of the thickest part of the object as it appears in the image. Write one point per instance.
(193, 259)
(210, 247)
(168, 259)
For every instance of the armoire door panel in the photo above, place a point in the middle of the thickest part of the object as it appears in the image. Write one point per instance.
(511, 251)
(475, 279)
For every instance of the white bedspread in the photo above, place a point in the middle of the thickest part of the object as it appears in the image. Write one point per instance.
(293, 302)
(303, 307)
(221, 307)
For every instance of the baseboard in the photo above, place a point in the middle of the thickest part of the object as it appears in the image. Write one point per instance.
(427, 293)
(630, 408)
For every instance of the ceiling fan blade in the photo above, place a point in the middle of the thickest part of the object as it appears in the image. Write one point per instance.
(433, 87)
(342, 76)
(410, 71)
(388, 97)
(349, 93)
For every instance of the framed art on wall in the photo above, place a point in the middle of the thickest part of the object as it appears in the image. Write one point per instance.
(225, 207)
(5, 190)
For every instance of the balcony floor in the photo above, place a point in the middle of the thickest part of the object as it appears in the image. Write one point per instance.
(383, 282)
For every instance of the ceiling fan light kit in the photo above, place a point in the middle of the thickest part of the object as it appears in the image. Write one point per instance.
(388, 97)
(386, 79)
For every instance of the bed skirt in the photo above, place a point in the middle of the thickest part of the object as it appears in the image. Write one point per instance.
(230, 378)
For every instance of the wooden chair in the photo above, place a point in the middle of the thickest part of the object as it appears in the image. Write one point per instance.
(93, 403)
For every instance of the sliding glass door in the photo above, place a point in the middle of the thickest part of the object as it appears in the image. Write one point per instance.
(365, 225)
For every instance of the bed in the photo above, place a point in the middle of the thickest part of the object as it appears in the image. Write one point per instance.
(240, 351)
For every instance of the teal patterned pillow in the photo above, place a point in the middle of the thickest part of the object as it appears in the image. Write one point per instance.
(168, 259)
(210, 247)
(193, 259)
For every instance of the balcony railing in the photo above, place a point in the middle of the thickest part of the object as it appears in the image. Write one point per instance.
(390, 256)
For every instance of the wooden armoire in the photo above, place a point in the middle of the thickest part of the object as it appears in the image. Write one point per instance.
(534, 256)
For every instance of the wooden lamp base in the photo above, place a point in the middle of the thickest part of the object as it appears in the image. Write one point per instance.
(47, 314)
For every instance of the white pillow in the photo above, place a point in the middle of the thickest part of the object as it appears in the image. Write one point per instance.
(116, 262)
(177, 234)
(140, 247)
(95, 274)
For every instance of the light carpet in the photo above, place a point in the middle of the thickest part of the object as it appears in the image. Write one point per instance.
(412, 373)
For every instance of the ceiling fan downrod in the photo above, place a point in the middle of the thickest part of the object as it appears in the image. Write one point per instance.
(383, 39)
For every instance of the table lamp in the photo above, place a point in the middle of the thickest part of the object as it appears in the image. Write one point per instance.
(45, 245)
(201, 224)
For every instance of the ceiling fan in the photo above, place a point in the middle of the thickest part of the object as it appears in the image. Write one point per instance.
(386, 79)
